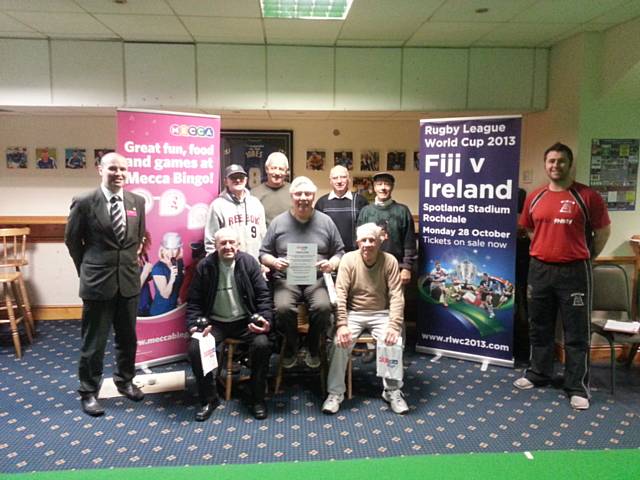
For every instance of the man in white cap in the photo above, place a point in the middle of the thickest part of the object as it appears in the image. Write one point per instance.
(369, 298)
(274, 193)
(236, 208)
(301, 224)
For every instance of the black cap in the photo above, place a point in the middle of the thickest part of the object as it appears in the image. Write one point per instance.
(384, 176)
(233, 169)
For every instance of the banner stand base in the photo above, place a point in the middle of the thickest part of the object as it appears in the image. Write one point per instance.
(148, 383)
(465, 356)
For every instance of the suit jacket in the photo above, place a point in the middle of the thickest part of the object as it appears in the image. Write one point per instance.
(104, 266)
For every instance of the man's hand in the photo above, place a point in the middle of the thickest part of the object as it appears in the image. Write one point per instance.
(280, 264)
(391, 338)
(343, 336)
(263, 328)
(205, 332)
(324, 266)
(405, 276)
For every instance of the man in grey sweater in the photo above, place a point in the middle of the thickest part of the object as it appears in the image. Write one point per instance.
(302, 224)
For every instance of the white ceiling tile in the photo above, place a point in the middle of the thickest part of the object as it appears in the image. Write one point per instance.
(9, 24)
(386, 19)
(579, 11)
(622, 13)
(72, 24)
(155, 7)
(218, 8)
(465, 10)
(445, 34)
(302, 32)
(40, 5)
(146, 27)
(232, 30)
(522, 34)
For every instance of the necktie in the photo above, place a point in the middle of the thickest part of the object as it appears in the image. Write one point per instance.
(117, 219)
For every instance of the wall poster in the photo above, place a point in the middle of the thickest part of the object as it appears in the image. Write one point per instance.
(614, 171)
(467, 238)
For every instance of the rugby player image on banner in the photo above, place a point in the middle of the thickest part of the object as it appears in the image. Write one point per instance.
(174, 164)
(468, 216)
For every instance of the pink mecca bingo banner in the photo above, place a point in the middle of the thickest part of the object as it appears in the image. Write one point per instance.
(174, 164)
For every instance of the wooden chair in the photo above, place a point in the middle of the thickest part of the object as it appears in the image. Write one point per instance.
(361, 346)
(12, 302)
(229, 349)
(303, 330)
(13, 256)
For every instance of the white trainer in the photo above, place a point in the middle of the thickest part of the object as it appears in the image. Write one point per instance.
(332, 404)
(523, 384)
(579, 403)
(395, 399)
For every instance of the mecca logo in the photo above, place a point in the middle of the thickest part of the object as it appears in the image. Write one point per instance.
(567, 206)
(191, 131)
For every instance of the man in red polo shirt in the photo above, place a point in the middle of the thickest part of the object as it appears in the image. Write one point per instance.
(568, 225)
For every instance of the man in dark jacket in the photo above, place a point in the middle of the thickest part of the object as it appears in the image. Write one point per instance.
(229, 298)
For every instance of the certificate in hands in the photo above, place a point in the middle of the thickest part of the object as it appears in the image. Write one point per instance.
(302, 258)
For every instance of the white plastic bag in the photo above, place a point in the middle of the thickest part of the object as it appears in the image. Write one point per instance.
(389, 360)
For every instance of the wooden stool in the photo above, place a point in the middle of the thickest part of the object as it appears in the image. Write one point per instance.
(13, 242)
(303, 330)
(229, 350)
(12, 302)
(360, 346)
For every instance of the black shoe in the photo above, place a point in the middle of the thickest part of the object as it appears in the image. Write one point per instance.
(206, 410)
(259, 410)
(90, 406)
(131, 392)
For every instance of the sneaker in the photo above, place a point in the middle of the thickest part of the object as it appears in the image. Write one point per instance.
(579, 403)
(395, 399)
(332, 404)
(289, 362)
(311, 361)
(523, 383)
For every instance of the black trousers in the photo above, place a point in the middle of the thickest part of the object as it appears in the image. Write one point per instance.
(564, 289)
(259, 351)
(286, 299)
(97, 318)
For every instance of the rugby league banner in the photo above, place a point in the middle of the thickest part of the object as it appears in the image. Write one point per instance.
(174, 164)
(468, 218)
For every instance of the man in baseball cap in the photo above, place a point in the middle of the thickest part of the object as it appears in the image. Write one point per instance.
(235, 207)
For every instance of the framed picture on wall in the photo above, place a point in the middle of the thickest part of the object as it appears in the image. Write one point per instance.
(46, 158)
(250, 148)
(416, 160)
(344, 158)
(396, 160)
(315, 159)
(369, 161)
(16, 157)
(98, 153)
(75, 158)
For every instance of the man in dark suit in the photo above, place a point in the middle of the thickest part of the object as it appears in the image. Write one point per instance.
(103, 233)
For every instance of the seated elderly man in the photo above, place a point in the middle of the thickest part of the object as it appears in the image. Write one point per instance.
(303, 225)
(229, 297)
(369, 298)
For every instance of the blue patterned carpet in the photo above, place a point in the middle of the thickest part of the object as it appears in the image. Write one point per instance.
(455, 408)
